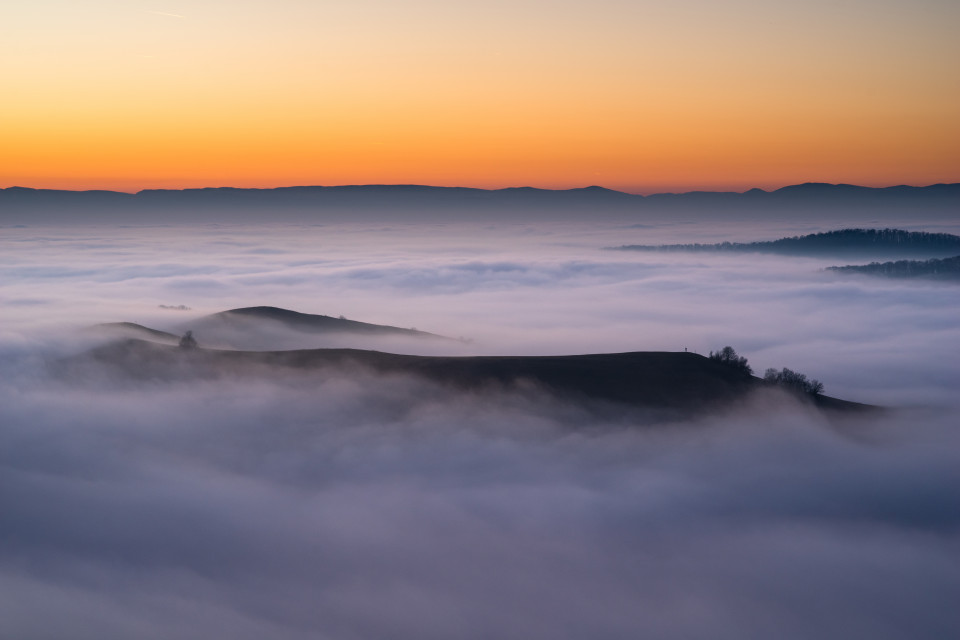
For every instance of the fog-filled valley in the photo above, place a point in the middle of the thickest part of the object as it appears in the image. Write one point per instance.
(367, 503)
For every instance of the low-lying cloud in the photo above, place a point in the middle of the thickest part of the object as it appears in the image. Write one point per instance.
(365, 506)
(547, 289)
(378, 507)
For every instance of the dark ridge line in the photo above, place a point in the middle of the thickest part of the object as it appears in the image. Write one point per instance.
(805, 188)
(675, 382)
(849, 240)
(316, 323)
(134, 327)
(943, 269)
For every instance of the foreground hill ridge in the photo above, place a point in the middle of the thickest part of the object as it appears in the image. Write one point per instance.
(852, 240)
(678, 383)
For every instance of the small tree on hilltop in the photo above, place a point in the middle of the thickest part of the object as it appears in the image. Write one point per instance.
(729, 357)
(188, 341)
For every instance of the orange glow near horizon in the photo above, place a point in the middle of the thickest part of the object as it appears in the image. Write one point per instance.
(630, 96)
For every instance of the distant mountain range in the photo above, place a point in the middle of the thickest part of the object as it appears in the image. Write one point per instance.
(19, 205)
(886, 242)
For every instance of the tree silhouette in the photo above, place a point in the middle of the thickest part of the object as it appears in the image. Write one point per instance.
(793, 381)
(188, 341)
(729, 357)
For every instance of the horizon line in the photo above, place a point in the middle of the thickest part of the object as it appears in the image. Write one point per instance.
(530, 187)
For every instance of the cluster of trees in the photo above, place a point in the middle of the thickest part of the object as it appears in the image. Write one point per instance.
(730, 358)
(786, 378)
(793, 381)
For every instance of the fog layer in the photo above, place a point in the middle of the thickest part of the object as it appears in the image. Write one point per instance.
(369, 506)
(525, 289)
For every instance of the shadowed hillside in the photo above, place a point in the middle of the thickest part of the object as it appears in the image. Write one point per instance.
(679, 383)
(934, 269)
(120, 330)
(306, 322)
(266, 328)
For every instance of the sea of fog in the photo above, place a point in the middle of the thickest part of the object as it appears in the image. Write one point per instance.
(385, 507)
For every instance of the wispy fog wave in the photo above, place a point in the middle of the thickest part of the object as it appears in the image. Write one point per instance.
(382, 508)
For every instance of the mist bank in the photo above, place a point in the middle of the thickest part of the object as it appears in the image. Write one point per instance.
(514, 289)
(367, 203)
(371, 506)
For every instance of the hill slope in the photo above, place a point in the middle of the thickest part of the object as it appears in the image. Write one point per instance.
(934, 269)
(307, 322)
(268, 328)
(680, 383)
(121, 330)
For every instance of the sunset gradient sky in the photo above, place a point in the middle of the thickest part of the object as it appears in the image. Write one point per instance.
(632, 95)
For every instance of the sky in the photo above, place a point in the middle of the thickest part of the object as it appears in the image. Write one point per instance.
(632, 95)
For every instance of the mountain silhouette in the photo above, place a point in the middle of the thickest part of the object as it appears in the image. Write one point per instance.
(677, 385)
(21, 205)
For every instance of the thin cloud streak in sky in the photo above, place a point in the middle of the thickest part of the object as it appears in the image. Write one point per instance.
(163, 13)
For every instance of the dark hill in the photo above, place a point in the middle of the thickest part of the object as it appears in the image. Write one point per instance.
(890, 242)
(677, 383)
(119, 330)
(934, 269)
(250, 317)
